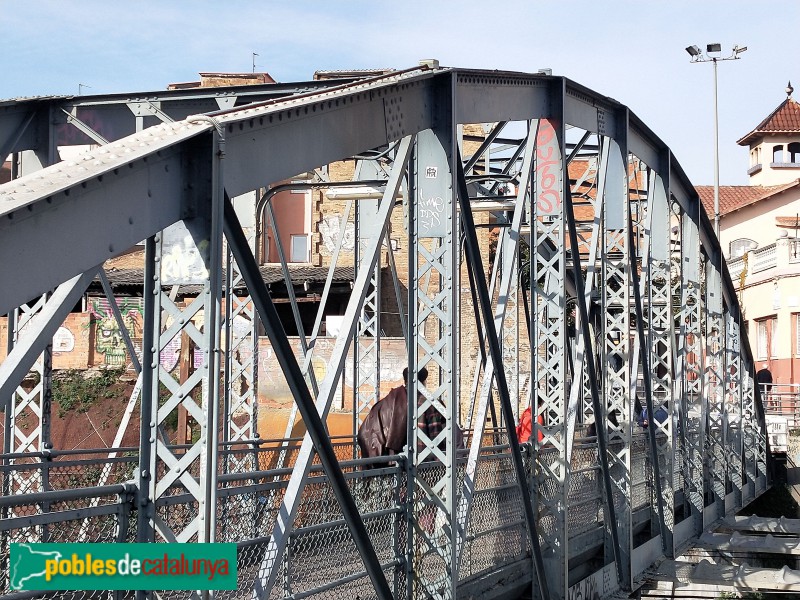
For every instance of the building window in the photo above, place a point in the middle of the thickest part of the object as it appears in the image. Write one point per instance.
(761, 339)
(797, 334)
(777, 154)
(300, 248)
(741, 246)
(766, 338)
(794, 152)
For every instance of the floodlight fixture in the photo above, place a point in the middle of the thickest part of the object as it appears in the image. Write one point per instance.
(698, 56)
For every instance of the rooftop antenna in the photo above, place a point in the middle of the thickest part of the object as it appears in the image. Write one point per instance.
(81, 86)
(254, 61)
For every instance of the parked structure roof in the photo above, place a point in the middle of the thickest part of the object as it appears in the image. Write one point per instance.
(734, 197)
(272, 273)
(784, 119)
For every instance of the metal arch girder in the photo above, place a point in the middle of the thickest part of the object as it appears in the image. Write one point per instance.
(480, 96)
(117, 113)
(46, 212)
(148, 174)
(314, 130)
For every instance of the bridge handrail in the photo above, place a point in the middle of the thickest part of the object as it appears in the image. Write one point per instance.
(55, 496)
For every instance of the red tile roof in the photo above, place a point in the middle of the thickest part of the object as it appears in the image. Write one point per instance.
(734, 197)
(784, 119)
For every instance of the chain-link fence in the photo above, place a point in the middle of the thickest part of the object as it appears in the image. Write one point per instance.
(321, 559)
(93, 515)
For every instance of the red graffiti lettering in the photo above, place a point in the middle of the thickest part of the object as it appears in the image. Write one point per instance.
(548, 196)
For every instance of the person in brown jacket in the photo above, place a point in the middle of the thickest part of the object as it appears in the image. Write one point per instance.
(385, 429)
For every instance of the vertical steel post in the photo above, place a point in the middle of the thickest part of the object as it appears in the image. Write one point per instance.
(366, 349)
(241, 355)
(148, 431)
(693, 411)
(733, 408)
(616, 308)
(660, 341)
(29, 410)
(549, 351)
(432, 343)
(749, 429)
(714, 374)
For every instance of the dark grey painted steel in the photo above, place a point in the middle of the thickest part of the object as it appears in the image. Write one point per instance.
(139, 185)
(131, 194)
(269, 143)
(294, 377)
(114, 116)
(473, 256)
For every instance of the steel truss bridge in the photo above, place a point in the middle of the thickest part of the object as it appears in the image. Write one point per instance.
(608, 286)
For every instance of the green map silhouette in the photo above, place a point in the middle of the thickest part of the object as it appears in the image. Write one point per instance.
(28, 564)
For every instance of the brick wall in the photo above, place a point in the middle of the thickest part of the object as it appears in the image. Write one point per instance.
(328, 213)
(71, 345)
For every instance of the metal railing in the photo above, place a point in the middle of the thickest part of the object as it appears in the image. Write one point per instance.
(794, 251)
(765, 258)
(782, 399)
(321, 559)
(736, 266)
(782, 412)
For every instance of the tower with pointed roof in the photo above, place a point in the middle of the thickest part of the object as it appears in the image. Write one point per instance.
(760, 238)
(775, 145)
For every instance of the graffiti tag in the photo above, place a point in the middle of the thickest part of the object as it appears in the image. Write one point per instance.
(548, 173)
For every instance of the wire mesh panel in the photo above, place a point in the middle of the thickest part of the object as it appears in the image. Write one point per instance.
(496, 534)
(321, 559)
(96, 515)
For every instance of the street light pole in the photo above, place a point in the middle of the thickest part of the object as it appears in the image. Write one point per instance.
(716, 155)
(698, 56)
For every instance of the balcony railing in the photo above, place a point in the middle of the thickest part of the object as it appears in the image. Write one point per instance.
(783, 255)
(764, 258)
(735, 267)
(794, 251)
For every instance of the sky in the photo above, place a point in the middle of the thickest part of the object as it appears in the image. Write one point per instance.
(632, 51)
